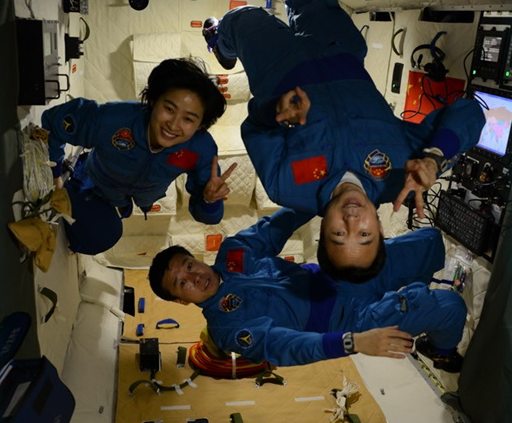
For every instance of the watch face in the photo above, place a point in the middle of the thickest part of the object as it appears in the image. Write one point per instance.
(348, 343)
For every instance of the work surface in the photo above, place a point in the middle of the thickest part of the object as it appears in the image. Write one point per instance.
(304, 397)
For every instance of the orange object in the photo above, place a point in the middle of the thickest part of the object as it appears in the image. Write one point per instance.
(235, 3)
(222, 79)
(213, 242)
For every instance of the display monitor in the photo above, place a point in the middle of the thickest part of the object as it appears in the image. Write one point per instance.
(491, 49)
(491, 46)
(497, 107)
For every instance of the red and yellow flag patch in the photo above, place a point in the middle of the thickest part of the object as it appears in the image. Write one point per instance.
(184, 159)
(235, 260)
(309, 170)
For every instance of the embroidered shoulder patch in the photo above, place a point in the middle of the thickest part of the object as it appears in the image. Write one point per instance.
(244, 339)
(377, 165)
(68, 124)
(235, 260)
(184, 159)
(309, 170)
(123, 139)
(229, 303)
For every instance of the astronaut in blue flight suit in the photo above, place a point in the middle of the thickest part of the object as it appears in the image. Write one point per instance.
(346, 153)
(137, 150)
(267, 308)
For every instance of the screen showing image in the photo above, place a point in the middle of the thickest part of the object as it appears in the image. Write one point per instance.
(498, 120)
(491, 49)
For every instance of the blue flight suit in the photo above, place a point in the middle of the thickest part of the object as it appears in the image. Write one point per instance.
(350, 126)
(268, 308)
(121, 168)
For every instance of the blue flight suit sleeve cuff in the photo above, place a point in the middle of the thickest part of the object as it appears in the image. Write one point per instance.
(211, 208)
(447, 141)
(333, 345)
(57, 170)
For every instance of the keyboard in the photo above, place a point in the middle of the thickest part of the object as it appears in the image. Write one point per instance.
(464, 223)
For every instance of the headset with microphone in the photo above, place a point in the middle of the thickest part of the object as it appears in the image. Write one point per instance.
(435, 70)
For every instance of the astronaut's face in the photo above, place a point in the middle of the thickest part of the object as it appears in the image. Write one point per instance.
(351, 228)
(190, 280)
(175, 118)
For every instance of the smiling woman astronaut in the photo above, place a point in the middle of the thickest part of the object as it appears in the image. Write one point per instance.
(137, 150)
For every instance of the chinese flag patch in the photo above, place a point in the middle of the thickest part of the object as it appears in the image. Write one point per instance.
(309, 170)
(184, 159)
(235, 260)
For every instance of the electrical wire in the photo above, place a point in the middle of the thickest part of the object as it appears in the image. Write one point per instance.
(466, 71)
(430, 201)
(428, 93)
(28, 3)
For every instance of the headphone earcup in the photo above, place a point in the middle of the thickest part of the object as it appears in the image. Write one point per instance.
(435, 71)
(138, 4)
(417, 63)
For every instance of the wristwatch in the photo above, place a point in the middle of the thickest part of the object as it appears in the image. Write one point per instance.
(348, 343)
(438, 157)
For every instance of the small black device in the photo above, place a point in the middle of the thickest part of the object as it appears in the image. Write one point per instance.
(74, 6)
(149, 355)
(182, 357)
(199, 420)
(236, 418)
(396, 81)
(129, 300)
(73, 47)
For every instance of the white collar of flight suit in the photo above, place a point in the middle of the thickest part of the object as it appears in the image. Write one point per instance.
(352, 178)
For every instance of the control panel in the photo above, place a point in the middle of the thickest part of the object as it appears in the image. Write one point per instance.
(485, 169)
(472, 209)
(492, 56)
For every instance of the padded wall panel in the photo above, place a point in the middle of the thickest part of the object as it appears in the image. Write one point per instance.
(61, 278)
(90, 371)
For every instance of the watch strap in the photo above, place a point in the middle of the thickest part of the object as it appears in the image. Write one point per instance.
(442, 163)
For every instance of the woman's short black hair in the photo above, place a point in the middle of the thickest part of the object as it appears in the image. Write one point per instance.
(158, 267)
(188, 73)
(351, 273)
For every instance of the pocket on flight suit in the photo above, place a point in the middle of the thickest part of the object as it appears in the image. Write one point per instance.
(413, 297)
